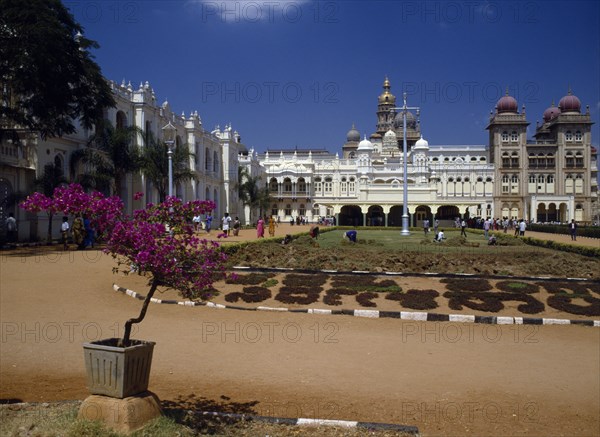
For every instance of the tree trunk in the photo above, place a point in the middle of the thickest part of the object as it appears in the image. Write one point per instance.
(49, 235)
(124, 342)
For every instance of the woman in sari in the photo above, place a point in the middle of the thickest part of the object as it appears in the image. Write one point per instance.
(271, 226)
(260, 228)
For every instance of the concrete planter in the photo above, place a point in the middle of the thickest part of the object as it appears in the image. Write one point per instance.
(118, 372)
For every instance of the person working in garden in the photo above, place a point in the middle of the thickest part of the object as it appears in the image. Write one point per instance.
(350, 235)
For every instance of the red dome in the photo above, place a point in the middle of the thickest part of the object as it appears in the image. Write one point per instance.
(507, 104)
(569, 103)
(551, 113)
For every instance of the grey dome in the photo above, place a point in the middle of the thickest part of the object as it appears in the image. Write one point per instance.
(353, 135)
(411, 121)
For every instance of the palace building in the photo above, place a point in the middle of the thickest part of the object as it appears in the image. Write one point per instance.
(550, 177)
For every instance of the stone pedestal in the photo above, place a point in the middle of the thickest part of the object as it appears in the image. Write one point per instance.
(123, 415)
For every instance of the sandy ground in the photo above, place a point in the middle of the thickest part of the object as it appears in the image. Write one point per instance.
(445, 378)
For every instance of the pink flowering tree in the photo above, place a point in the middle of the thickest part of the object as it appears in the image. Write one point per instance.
(103, 211)
(38, 202)
(159, 242)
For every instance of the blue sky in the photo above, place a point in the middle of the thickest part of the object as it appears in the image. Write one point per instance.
(290, 73)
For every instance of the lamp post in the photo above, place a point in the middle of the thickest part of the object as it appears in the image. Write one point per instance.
(404, 109)
(169, 132)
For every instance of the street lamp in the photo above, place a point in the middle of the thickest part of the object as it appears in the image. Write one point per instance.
(169, 132)
(404, 109)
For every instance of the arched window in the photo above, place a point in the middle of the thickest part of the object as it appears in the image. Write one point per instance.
(505, 160)
(207, 160)
(318, 185)
(578, 136)
(215, 163)
(288, 209)
(569, 160)
(505, 184)
(514, 137)
(351, 186)
(301, 186)
(302, 209)
(514, 160)
(352, 155)
(274, 210)
(344, 186)
(579, 184)
(328, 185)
(273, 185)
(59, 163)
(504, 136)
(287, 185)
(569, 184)
(579, 160)
(550, 163)
(121, 120)
(514, 184)
(568, 136)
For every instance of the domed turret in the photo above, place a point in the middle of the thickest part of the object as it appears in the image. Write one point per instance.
(411, 121)
(551, 113)
(386, 96)
(353, 135)
(390, 136)
(569, 103)
(365, 145)
(507, 104)
(421, 144)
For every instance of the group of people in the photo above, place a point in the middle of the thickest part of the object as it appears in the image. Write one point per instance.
(260, 226)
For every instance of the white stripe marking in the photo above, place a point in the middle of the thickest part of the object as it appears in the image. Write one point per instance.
(465, 318)
(325, 422)
(372, 314)
(413, 316)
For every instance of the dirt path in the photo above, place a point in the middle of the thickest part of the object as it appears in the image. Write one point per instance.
(445, 378)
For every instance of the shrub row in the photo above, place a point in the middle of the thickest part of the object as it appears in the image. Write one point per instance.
(583, 231)
(580, 250)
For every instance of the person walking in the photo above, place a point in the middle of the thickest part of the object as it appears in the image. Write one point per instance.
(225, 222)
(426, 226)
(486, 228)
(11, 228)
(573, 230)
(522, 227)
(436, 225)
(89, 233)
(78, 232)
(271, 226)
(260, 228)
(236, 227)
(64, 231)
(208, 222)
(463, 227)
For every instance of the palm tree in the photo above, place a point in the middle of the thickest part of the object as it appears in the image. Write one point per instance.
(155, 165)
(250, 192)
(52, 178)
(111, 154)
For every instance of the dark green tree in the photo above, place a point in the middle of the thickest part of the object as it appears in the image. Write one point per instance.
(48, 78)
(110, 155)
(155, 165)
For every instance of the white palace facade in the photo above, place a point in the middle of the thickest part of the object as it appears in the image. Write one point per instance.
(552, 177)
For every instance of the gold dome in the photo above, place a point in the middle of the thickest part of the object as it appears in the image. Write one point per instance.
(386, 96)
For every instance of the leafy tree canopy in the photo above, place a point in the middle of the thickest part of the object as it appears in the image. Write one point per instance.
(48, 77)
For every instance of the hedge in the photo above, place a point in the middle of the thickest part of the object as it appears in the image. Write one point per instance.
(582, 231)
